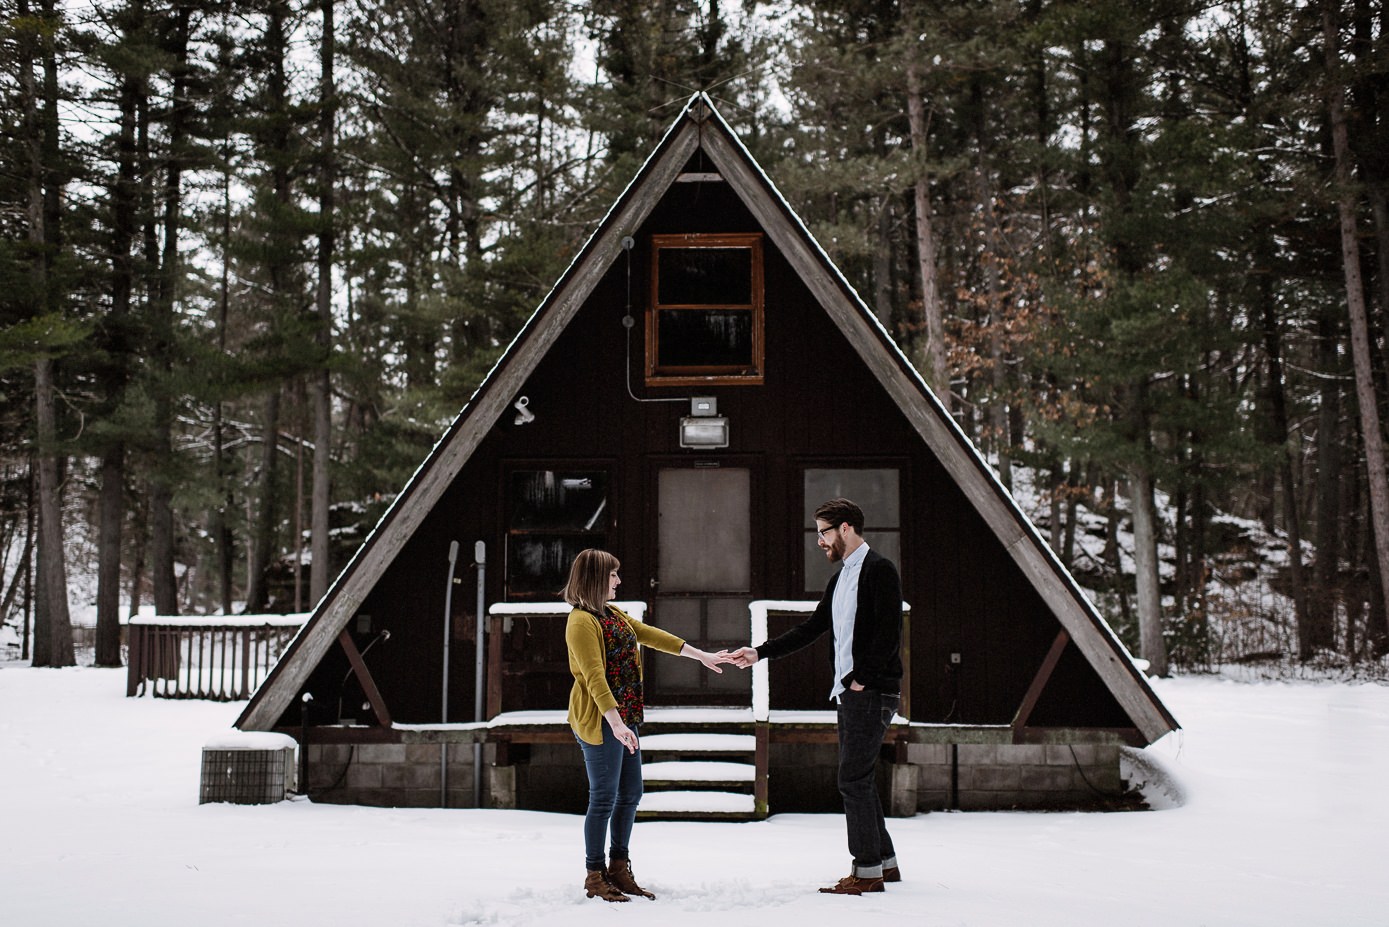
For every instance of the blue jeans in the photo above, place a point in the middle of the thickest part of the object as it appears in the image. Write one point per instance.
(863, 721)
(614, 791)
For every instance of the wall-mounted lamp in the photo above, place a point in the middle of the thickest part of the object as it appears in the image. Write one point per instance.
(523, 413)
(704, 427)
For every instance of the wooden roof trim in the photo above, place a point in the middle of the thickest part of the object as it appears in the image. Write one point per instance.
(1091, 635)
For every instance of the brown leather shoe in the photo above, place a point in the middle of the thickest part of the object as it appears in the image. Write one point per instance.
(620, 875)
(855, 885)
(892, 874)
(596, 884)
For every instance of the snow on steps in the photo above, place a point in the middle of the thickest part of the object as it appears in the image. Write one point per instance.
(682, 804)
(697, 771)
(699, 743)
(699, 776)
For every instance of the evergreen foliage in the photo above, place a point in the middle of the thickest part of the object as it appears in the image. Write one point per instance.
(1132, 234)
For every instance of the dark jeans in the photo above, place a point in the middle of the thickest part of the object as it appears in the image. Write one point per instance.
(863, 720)
(614, 791)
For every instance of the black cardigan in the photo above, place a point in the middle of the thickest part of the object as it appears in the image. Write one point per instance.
(877, 644)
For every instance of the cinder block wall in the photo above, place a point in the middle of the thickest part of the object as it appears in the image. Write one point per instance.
(936, 777)
(390, 775)
(983, 777)
(803, 779)
(552, 778)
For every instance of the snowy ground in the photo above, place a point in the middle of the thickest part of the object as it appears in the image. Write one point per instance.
(1284, 823)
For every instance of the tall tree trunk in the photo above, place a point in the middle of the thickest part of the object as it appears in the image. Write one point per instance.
(139, 534)
(1330, 541)
(1311, 635)
(998, 366)
(268, 515)
(1055, 527)
(162, 541)
(124, 228)
(933, 354)
(223, 508)
(53, 626)
(1068, 543)
(1370, 428)
(224, 505)
(882, 263)
(110, 515)
(53, 586)
(1147, 577)
(319, 551)
(1151, 645)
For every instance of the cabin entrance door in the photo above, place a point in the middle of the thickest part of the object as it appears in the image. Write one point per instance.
(703, 581)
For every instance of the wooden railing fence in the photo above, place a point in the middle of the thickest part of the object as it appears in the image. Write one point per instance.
(221, 658)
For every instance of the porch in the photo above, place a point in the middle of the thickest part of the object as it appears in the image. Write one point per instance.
(739, 762)
(714, 764)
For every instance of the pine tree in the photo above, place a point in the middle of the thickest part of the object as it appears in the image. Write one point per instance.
(38, 327)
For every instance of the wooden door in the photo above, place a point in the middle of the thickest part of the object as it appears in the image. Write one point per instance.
(703, 581)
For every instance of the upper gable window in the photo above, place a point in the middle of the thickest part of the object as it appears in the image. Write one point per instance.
(704, 325)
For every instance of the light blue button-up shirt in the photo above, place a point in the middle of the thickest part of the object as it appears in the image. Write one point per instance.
(843, 611)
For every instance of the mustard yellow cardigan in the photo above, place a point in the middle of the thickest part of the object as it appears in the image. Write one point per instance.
(591, 696)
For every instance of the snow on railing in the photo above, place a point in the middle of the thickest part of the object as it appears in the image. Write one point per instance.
(218, 657)
(761, 686)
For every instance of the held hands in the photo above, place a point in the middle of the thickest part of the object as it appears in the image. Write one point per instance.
(742, 658)
(710, 660)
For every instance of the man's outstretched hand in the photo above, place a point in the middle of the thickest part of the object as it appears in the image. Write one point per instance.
(743, 657)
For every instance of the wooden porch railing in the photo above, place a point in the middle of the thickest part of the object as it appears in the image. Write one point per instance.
(221, 658)
(525, 649)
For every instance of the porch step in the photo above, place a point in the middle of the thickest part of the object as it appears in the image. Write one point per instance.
(679, 805)
(698, 744)
(699, 776)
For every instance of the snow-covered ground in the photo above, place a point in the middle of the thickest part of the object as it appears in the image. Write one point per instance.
(1284, 822)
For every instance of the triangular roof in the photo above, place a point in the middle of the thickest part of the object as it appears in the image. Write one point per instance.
(700, 128)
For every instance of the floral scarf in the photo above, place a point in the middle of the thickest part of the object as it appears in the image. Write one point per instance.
(623, 666)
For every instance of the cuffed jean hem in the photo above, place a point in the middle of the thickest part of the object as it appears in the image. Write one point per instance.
(875, 872)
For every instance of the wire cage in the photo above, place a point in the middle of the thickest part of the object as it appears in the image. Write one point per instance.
(247, 777)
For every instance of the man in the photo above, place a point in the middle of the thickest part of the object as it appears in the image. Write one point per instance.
(862, 608)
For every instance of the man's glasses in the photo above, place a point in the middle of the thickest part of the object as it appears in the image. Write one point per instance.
(821, 531)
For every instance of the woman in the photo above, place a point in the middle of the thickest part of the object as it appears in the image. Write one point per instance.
(605, 710)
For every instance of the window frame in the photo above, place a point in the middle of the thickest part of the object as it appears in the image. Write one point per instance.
(874, 523)
(752, 374)
(600, 534)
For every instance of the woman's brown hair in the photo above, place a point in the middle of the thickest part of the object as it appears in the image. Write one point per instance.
(588, 580)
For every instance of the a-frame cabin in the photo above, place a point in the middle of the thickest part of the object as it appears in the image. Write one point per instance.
(699, 379)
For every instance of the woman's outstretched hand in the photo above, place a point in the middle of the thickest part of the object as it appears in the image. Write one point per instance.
(711, 660)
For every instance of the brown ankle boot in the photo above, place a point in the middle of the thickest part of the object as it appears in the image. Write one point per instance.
(620, 875)
(855, 885)
(596, 884)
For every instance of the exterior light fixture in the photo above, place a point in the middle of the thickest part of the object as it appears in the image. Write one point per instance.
(704, 427)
